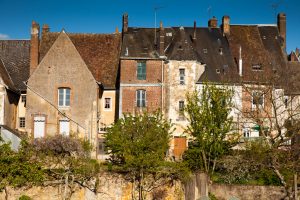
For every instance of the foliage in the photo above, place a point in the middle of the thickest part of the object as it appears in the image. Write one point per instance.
(16, 168)
(139, 144)
(66, 158)
(25, 197)
(210, 123)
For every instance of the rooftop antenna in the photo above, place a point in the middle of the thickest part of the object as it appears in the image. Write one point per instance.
(275, 6)
(156, 8)
(209, 11)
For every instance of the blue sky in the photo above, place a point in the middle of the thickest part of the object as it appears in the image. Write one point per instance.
(103, 16)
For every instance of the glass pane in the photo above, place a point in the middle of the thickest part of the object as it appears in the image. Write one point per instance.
(67, 97)
(60, 97)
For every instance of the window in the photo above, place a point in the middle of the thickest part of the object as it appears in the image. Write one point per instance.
(22, 122)
(141, 98)
(107, 103)
(286, 100)
(182, 76)
(64, 97)
(204, 50)
(181, 109)
(257, 99)
(218, 71)
(256, 67)
(141, 70)
(23, 99)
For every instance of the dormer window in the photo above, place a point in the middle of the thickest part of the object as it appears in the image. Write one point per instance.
(256, 67)
(205, 51)
(218, 71)
(64, 97)
(221, 51)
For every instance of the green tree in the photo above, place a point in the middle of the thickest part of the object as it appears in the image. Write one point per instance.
(209, 124)
(139, 144)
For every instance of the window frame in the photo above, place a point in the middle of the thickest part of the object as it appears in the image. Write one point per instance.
(23, 98)
(22, 122)
(110, 103)
(140, 102)
(141, 70)
(64, 97)
(181, 76)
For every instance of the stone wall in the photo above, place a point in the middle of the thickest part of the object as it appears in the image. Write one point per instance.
(111, 187)
(246, 192)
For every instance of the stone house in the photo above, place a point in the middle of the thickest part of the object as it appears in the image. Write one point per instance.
(14, 71)
(72, 86)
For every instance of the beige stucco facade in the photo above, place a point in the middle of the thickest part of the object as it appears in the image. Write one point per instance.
(176, 92)
(63, 67)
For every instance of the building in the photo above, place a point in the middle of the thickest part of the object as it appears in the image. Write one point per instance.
(14, 71)
(72, 85)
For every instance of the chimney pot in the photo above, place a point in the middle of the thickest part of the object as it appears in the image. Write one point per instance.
(281, 23)
(125, 23)
(34, 46)
(226, 25)
(213, 22)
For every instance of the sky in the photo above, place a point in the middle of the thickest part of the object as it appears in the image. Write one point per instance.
(103, 16)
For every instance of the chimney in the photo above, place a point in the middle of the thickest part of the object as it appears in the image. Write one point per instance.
(226, 25)
(213, 22)
(195, 29)
(281, 23)
(45, 29)
(34, 46)
(240, 62)
(125, 23)
(161, 40)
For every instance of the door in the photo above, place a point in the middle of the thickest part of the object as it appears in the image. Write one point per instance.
(64, 127)
(179, 146)
(39, 126)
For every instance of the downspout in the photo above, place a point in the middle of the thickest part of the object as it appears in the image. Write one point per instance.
(162, 86)
(98, 118)
(240, 62)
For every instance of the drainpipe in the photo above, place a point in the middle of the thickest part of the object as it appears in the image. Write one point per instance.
(240, 62)
(162, 86)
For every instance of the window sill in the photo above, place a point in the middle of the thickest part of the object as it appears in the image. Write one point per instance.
(63, 107)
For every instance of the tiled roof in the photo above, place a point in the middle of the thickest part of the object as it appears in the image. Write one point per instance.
(139, 42)
(261, 54)
(14, 64)
(261, 50)
(100, 52)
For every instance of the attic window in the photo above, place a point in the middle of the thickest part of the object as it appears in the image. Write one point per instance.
(256, 67)
(264, 37)
(218, 71)
(221, 51)
(204, 50)
(225, 68)
(126, 51)
(169, 34)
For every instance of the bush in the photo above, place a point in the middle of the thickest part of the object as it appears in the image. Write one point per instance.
(25, 197)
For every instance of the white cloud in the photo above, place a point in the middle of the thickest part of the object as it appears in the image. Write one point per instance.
(3, 36)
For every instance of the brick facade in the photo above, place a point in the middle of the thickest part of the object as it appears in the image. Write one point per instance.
(130, 84)
(129, 71)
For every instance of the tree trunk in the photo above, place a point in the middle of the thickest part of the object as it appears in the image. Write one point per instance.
(141, 185)
(6, 193)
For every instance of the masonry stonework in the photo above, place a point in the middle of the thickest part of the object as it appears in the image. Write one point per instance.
(63, 67)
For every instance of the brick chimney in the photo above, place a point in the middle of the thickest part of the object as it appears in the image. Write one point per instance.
(125, 23)
(226, 25)
(34, 46)
(195, 31)
(281, 23)
(213, 22)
